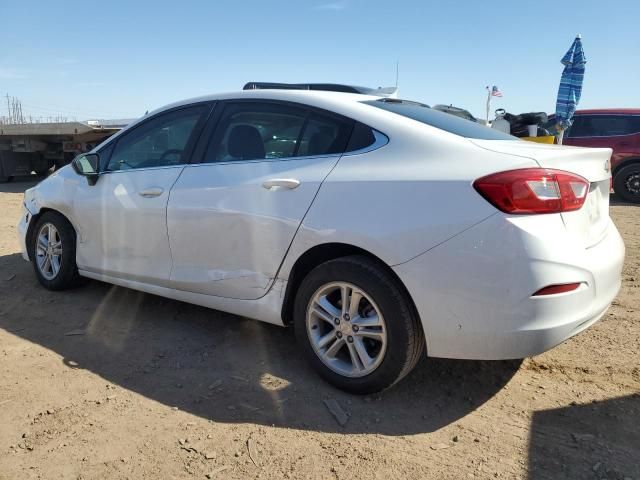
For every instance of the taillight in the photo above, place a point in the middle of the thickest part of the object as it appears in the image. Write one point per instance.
(533, 190)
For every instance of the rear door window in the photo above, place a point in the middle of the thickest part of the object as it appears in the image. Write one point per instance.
(256, 131)
(270, 130)
(604, 125)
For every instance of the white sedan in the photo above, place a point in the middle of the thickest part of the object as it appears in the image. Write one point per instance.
(379, 228)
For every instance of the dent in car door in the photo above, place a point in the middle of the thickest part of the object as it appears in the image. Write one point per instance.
(231, 221)
(228, 232)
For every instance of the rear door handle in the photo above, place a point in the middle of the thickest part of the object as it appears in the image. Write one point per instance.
(289, 183)
(151, 192)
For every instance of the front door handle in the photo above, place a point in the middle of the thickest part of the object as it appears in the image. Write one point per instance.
(289, 183)
(151, 192)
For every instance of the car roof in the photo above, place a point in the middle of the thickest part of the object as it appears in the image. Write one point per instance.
(620, 111)
(302, 96)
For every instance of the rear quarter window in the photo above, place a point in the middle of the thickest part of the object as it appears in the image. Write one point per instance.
(444, 121)
(362, 137)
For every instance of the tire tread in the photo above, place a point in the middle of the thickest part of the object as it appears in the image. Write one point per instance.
(416, 342)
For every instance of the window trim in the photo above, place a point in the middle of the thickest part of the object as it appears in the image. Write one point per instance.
(189, 148)
(380, 141)
(264, 160)
(585, 115)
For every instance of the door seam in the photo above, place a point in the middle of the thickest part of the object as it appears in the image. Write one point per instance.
(166, 221)
(295, 234)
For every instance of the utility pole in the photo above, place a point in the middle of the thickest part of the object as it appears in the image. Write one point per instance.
(14, 110)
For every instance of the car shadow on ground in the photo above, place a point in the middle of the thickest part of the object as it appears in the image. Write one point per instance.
(616, 201)
(601, 432)
(223, 367)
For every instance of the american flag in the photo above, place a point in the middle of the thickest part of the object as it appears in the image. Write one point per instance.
(495, 92)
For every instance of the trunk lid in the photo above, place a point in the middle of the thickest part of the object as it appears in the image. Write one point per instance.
(588, 224)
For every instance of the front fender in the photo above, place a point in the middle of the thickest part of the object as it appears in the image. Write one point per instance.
(56, 192)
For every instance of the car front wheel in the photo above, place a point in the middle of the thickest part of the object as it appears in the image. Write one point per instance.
(52, 251)
(356, 325)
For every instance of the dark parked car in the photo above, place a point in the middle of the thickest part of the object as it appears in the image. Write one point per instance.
(618, 129)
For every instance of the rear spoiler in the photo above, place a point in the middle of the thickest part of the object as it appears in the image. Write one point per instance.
(325, 87)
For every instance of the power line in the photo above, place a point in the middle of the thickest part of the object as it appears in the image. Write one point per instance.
(16, 115)
(66, 109)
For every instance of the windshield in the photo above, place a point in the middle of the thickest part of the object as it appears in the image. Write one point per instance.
(444, 121)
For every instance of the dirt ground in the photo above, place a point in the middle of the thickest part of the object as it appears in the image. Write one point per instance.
(105, 382)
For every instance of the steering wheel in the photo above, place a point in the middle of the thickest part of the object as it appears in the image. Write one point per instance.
(173, 151)
(123, 162)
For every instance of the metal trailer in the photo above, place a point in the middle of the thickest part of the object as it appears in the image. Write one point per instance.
(40, 147)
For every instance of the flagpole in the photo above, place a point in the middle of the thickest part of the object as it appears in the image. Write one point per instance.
(488, 104)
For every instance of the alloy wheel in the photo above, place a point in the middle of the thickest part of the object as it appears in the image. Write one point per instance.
(49, 251)
(346, 329)
(633, 183)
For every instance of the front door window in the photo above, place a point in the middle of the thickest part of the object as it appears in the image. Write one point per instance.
(160, 142)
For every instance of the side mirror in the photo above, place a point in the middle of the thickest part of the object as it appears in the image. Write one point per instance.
(87, 165)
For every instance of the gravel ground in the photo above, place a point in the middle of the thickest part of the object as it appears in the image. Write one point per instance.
(104, 382)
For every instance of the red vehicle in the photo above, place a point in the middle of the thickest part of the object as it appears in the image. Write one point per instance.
(616, 128)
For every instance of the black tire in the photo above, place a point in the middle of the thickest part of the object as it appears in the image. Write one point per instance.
(42, 171)
(67, 276)
(41, 166)
(625, 183)
(405, 339)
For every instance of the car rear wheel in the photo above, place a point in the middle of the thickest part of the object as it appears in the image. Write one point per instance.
(626, 183)
(53, 252)
(356, 325)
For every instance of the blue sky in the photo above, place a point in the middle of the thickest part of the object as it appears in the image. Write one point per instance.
(120, 58)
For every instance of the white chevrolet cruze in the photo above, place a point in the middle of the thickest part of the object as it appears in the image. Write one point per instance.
(377, 227)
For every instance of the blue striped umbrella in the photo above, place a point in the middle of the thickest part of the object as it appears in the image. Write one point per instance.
(570, 84)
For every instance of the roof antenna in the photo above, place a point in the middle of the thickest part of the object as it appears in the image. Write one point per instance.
(397, 72)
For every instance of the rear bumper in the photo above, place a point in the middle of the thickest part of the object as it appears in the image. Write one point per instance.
(474, 292)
